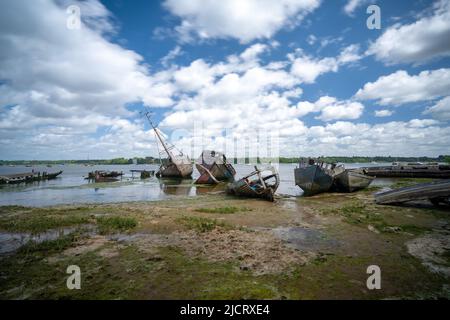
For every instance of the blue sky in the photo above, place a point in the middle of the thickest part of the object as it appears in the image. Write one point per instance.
(309, 72)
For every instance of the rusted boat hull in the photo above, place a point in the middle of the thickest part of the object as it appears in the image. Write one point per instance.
(352, 180)
(173, 170)
(313, 180)
(436, 192)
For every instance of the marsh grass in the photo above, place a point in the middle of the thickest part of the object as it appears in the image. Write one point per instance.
(107, 224)
(37, 224)
(406, 182)
(222, 210)
(201, 224)
(49, 246)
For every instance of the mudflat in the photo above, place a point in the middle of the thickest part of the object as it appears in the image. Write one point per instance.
(216, 246)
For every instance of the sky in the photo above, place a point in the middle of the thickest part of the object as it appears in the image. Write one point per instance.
(309, 74)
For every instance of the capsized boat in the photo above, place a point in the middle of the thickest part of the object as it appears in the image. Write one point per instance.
(258, 184)
(176, 165)
(214, 167)
(351, 180)
(437, 192)
(315, 176)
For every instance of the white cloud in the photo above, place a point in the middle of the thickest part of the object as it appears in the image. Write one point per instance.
(308, 68)
(341, 110)
(400, 87)
(352, 5)
(441, 110)
(171, 55)
(242, 20)
(418, 42)
(64, 84)
(383, 113)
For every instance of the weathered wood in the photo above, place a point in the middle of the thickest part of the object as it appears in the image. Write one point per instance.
(410, 171)
(424, 191)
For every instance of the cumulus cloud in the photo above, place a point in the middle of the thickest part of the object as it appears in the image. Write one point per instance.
(242, 20)
(308, 68)
(399, 87)
(418, 42)
(383, 113)
(440, 110)
(58, 82)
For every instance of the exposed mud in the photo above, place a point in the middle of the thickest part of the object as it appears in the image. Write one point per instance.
(258, 251)
(434, 251)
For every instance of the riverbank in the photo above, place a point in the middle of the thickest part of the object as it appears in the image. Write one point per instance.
(218, 247)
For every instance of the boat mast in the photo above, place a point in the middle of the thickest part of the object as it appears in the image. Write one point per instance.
(159, 137)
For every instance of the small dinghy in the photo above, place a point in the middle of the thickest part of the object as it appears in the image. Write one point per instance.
(315, 176)
(258, 184)
(352, 180)
(214, 167)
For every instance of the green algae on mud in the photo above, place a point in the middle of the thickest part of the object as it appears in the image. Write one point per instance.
(193, 248)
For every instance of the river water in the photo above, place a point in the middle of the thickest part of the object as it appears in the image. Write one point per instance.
(71, 187)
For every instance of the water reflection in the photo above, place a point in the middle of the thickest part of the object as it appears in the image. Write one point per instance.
(176, 187)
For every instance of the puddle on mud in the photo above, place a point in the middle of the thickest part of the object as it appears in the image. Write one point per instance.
(304, 238)
(10, 242)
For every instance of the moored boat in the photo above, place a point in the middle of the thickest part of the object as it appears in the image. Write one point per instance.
(213, 168)
(258, 184)
(351, 180)
(315, 177)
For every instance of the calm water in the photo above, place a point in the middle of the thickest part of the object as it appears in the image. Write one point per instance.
(71, 187)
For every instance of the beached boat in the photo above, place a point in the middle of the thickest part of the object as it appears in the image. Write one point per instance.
(213, 168)
(351, 180)
(411, 170)
(314, 177)
(437, 192)
(176, 165)
(258, 184)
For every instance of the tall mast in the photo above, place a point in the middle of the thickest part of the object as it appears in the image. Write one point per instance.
(159, 137)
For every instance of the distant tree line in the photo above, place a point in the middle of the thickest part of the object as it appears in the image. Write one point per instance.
(146, 160)
(152, 160)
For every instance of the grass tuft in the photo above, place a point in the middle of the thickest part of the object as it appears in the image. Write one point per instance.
(201, 224)
(109, 224)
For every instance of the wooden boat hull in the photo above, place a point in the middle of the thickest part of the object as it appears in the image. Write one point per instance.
(313, 180)
(29, 177)
(437, 191)
(352, 180)
(255, 185)
(215, 173)
(242, 188)
(173, 170)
